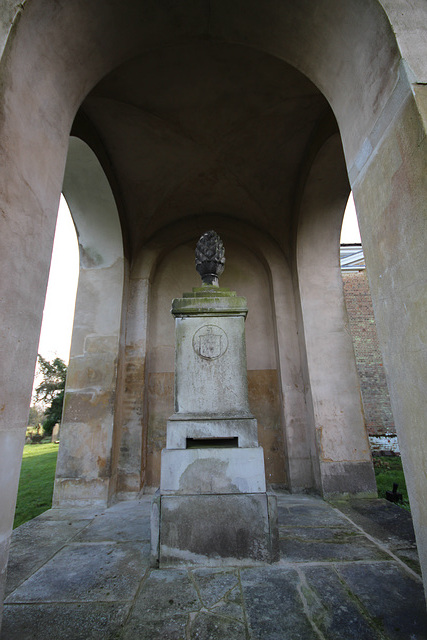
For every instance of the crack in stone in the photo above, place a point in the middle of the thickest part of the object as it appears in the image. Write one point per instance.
(306, 594)
(358, 604)
(191, 618)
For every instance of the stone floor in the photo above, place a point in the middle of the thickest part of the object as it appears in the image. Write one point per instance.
(347, 570)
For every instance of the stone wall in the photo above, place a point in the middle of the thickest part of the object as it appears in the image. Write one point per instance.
(375, 395)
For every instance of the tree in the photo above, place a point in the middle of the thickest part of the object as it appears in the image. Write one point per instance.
(36, 415)
(51, 391)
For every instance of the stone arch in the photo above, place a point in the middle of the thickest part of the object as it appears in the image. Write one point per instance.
(299, 450)
(86, 456)
(334, 397)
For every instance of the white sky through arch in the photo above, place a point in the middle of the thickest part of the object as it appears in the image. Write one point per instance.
(350, 228)
(58, 314)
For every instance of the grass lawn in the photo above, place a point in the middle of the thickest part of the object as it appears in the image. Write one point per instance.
(36, 481)
(389, 470)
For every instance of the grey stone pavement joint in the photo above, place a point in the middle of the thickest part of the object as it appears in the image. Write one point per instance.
(348, 569)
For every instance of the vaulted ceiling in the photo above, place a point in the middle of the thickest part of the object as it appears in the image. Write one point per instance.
(202, 128)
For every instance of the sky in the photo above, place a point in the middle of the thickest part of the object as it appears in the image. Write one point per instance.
(55, 337)
(350, 229)
(58, 314)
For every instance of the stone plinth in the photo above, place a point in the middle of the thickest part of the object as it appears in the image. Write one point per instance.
(213, 507)
(217, 530)
(210, 354)
(212, 470)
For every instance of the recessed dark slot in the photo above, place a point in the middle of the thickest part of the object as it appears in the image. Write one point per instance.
(204, 443)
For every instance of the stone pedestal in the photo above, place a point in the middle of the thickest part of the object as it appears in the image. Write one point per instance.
(212, 508)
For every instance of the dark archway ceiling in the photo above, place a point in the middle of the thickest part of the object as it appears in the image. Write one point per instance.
(205, 128)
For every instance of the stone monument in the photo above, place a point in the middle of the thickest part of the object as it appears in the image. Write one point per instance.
(212, 507)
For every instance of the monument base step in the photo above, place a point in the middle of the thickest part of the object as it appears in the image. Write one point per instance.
(211, 470)
(214, 530)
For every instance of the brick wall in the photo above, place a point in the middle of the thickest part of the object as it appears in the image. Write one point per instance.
(375, 396)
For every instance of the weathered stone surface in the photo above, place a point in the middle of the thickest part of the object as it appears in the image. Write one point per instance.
(210, 373)
(208, 625)
(206, 155)
(335, 614)
(327, 599)
(125, 521)
(68, 513)
(265, 403)
(155, 530)
(273, 604)
(214, 529)
(81, 492)
(4, 555)
(231, 605)
(164, 595)
(392, 598)
(221, 487)
(212, 471)
(91, 390)
(179, 429)
(69, 621)
(101, 572)
(349, 478)
(386, 522)
(320, 534)
(350, 547)
(47, 536)
(130, 455)
(172, 628)
(381, 518)
(214, 585)
(308, 513)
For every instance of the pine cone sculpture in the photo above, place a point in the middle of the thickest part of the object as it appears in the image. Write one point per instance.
(210, 258)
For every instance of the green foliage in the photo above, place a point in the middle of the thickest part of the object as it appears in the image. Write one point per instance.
(36, 481)
(387, 471)
(51, 391)
(35, 417)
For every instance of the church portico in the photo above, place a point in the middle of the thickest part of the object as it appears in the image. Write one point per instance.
(253, 119)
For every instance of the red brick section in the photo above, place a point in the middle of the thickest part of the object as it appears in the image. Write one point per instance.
(375, 396)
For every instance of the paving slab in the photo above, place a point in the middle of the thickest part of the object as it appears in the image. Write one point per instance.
(68, 621)
(274, 607)
(213, 584)
(172, 628)
(337, 577)
(380, 518)
(231, 605)
(390, 597)
(207, 625)
(34, 543)
(70, 513)
(309, 514)
(329, 534)
(86, 572)
(117, 525)
(385, 521)
(297, 551)
(334, 613)
(166, 593)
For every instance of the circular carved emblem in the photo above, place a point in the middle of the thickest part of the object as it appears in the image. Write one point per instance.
(210, 342)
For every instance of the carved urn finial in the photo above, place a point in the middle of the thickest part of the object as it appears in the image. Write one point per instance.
(210, 258)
